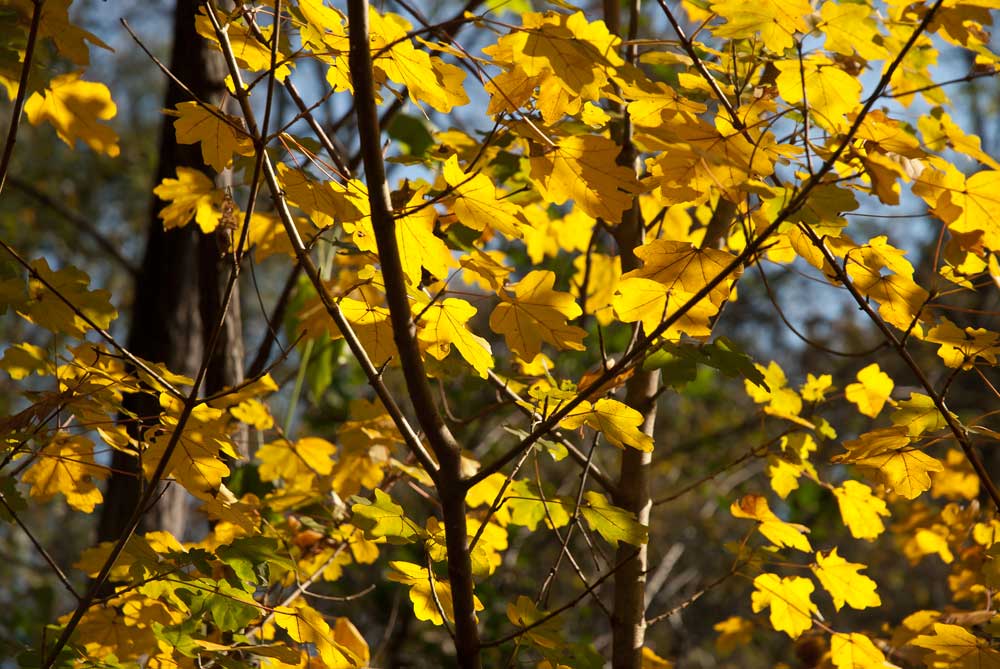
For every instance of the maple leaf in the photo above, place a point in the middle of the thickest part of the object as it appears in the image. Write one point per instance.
(850, 27)
(919, 415)
(478, 204)
(651, 302)
(955, 646)
(777, 531)
(789, 601)
(296, 464)
(611, 522)
(22, 360)
(67, 466)
(383, 518)
(75, 109)
(901, 467)
(424, 606)
(844, 582)
(734, 631)
(444, 324)
(776, 22)
(619, 423)
(190, 195)
(871, 391)
(830, 92)
(250, 53)
(583, 168)
(419, 247)
(220, 135)
(305, 625)
(537, 313)
(861, 510)
(683, 267)
(855, 651)
(524, 613)
(52, 313)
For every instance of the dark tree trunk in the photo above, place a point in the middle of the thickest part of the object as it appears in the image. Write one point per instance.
(178, 290)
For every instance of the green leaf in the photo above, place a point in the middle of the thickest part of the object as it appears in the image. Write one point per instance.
(245, 554)
(411, 134)
(384, 518)
(12, 497)
(613, 523)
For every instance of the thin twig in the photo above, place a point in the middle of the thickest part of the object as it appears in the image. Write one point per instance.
(22, 92)
(41, 549)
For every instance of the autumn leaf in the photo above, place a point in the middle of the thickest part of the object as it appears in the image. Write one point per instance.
(305, 625)
(22, 360)
(619, 423)
(855, 651)
(383, 518)
(446, 323)
(901, 467)
(422, 597)
(478, 204)
(75, 108)
(861, 511)
(871, 391)
(789, 601)
(67, 466)
(776, 23)
(47, 310)
(190, 195)
(919, 415)
(537, 313)
(734, 631)
(844, 582)
(583, 169)
(651, 302)
(220, 135)
(611, 522)
(830, 92)
(956, 646)
(777, 531)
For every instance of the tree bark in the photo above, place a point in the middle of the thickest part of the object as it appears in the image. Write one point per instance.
(177, 292)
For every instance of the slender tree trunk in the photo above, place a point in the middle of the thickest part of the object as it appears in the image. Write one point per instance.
(177, 292)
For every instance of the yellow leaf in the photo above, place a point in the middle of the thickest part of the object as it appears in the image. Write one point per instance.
(683, 267)
(776, 22)
(651, 302)
(855, 651)
(815, 388)
(217, 133)
(75, 109)
(254, 413)
(583, 168)
(958, 480)
(784, 475)
(830, 93)
(850, 27)
(918, 414)
(67, 467)
(251, 53)
(306, 625)
(619, 423)
(734, 632)
(485, 269)
(297, 464)
(901, 467)
(844, 582)
(50, 312)
(872, 390)
(419, 247)
(537, 313)
(478, 204)
(777, 531)
(190, 195)
(651, 660)
(611, 522)
(788, 599)
(524, 613)
(421, 595)
(22, 360)
(960, 348)
(861, 510)
(446, 323)
(427, 78)
(957, 647)
(601, 273)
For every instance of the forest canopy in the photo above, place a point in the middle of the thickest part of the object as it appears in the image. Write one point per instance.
(501, 334)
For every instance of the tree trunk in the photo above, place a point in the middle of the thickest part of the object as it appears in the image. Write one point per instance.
(178, 290)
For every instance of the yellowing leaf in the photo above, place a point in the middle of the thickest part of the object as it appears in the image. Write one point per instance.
(957, 647)
(611, 522)
(524, 613)
(776, 22)
(855, 651)
(383, 518)
(537, 313)
(67, 467)
(844, 582)
(861, 510)
(901, 467)
(619, 423)
(75, 109)
(872, 390)
(683, 267)
(830, 93)
(22, 360)
(250, 53)
(190, 195)
(217, 133)
(419, 247)
(305, 625)
(50, 312)
(421, 595)
(651, 660)
(583, 168)
(445, 323)
(788, 599)
(651, 302)
(919, 415)
(958, 480)
(477, 202)
(296, 464)
(777, 531)
(850, 27)
(734, 631)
